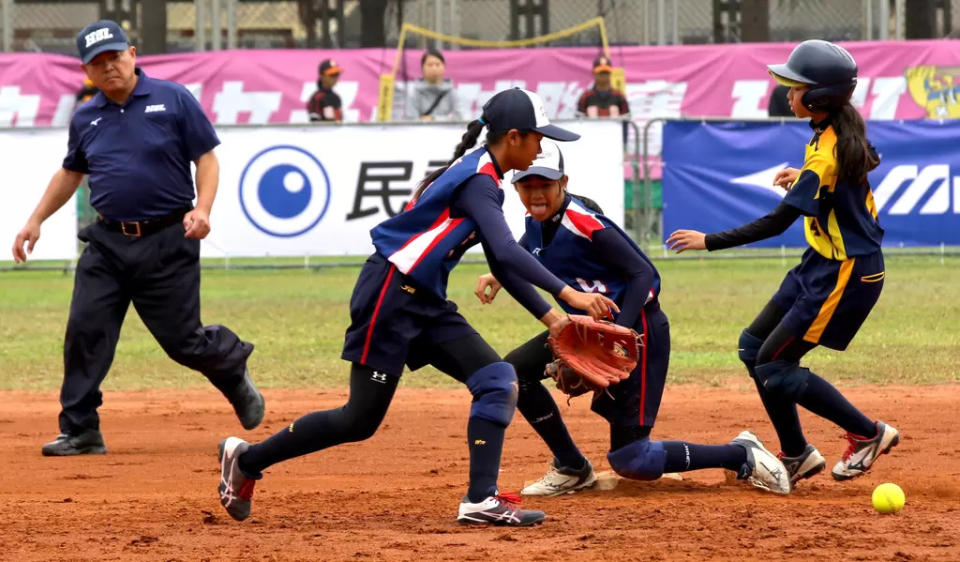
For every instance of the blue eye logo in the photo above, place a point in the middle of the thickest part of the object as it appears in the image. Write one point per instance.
(284, 191)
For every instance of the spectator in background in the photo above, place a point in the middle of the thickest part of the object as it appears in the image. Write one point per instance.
(324, 104)
(779, 106)
(602, 100)
(433, 97)
(87, 91)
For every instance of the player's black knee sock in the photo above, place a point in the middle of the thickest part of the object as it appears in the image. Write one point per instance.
(539, 409)
(783, 415)
(485, 439)
(683, 456)
(370, 395)
(823, 399)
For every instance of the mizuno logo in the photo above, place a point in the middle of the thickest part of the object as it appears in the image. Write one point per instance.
(95, 121)
(907, 186)
(906, 189)
(153, 108)
(98, 35)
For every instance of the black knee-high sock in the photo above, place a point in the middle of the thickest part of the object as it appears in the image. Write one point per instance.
(370, 396)
(539, 409)
(683, 456)
(783, 415)
(485, 439)
(823, 399)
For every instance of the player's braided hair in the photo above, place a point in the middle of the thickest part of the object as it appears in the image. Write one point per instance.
(855, 156)
(467, 141)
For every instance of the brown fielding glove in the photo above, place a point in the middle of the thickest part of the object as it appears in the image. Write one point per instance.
(591, 355)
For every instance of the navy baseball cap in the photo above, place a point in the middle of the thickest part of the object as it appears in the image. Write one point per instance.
(523, 110)
(99, 37)
(549, 164)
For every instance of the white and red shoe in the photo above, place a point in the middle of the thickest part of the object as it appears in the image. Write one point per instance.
(236, 489)
(499, 509)
(862, 452)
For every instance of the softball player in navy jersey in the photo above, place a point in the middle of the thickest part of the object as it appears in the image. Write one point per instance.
(400, 314)
(825, 299)
(570, 236)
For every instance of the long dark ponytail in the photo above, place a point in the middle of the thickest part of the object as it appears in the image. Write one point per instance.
(855, 155)
(467, 141)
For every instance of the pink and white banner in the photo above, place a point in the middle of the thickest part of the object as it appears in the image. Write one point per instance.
(898, 80)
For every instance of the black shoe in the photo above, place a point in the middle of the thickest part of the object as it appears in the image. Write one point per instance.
(247, 402)
(87, 442)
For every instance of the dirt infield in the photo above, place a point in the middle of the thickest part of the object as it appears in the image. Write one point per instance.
(394, 497)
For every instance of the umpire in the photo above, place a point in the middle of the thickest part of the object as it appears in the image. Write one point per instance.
(136, 139)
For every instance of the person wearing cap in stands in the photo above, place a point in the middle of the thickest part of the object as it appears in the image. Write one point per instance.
(400, 314)
(602, 100)
(324, 104)
(136, 139)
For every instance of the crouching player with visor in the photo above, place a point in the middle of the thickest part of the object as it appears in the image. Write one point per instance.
(569, 235)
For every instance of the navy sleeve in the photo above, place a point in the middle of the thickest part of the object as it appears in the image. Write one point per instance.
(197, 135)
(479, 199)
(523, 242)
(804, 194)
(76, 158)
(618, 254)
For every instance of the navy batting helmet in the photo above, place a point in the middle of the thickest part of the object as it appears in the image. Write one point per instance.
(828, 69)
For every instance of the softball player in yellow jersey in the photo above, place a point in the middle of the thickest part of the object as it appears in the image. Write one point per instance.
(826, 298)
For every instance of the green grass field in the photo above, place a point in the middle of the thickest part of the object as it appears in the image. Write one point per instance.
(297, 318)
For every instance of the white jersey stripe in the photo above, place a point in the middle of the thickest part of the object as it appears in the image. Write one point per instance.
(411, 253)
(566, 222)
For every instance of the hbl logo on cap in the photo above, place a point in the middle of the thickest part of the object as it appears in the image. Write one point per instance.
(98, 35)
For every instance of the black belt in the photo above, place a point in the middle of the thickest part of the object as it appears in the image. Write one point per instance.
(137, 229)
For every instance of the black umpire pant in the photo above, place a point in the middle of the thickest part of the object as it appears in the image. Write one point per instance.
(160, 274)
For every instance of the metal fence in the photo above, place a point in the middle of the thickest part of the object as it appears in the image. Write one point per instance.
(50, 25)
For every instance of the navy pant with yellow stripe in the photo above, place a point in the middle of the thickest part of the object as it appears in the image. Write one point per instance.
(820, 302)
(828, 300)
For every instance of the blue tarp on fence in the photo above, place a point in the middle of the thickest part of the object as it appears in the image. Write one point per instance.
(718, 175)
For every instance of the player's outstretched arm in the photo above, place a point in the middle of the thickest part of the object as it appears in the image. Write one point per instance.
(61, 187)
(682, 240)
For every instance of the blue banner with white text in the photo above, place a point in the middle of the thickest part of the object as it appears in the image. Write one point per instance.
(719, 175)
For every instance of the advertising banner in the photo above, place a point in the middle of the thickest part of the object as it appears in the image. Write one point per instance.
(317, 191)
(720, 175)
(30, 159)
(306, 190)
(898, 80)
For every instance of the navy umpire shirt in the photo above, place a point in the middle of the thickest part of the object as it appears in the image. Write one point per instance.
(138, 154)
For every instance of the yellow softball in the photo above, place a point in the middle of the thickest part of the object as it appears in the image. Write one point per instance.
(888, 498)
